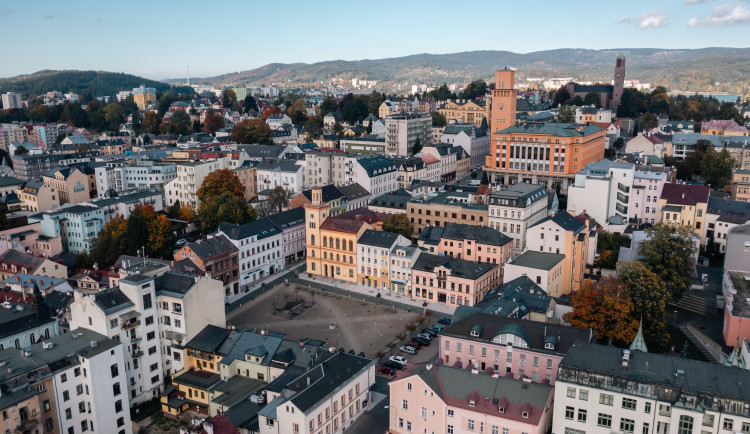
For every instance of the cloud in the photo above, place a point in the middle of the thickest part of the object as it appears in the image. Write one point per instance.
(723, 16)
(49, 16)
(649, 20)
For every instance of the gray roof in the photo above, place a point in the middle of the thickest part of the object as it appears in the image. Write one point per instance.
(8, 181)
(516, 298)
(378, 238)
(329, 193)
(244, 342)
(353, 191)
(126, 198)
(566, 221)
(518, 194)
(173, 284)
(277, 165)
(396, 199)
(209, 339)
(262, 228)
(480, 234)
(289, 218)
(218, 245)
(376, 165)
(262, 151)
(538, 260)
(112, 300)
(685, 375)
(459, 267)
(554, 129)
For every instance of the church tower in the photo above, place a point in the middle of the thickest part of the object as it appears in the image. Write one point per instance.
(316, 213)
(502, 111)
(619, 83)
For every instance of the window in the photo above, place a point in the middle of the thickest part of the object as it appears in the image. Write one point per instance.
(569, 413)
(114, 369)
(648, 408)
(424, 412)
(150, 336)
(645, 429)
(68, 414)
(728, 424)
(118, 406)
(571, 392)
(82, 407)
(149, 320)
(408, 387)
(604, 420)
(629, 404)
(147, 301)
(470, 425)
(449, 429)
(685, 425)
(450, 413)
(582, 415)
(120, 422)
(583, 395)
(404, 404)
(79, 389)
(63, 378)
(627, 425)
(116, 389)
(66, 395)
(113, 323)
(606, 399)
(745, 427)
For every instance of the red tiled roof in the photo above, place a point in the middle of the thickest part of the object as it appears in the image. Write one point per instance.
(722, 124)
(352, 221)
(685, 194)
(341, 225)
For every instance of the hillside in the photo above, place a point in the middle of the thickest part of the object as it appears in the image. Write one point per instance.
(691, 70)
(98, 83)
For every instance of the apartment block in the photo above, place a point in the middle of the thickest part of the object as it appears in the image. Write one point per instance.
(12, 100)
(403, 131)
(452, 281)
(514, 209)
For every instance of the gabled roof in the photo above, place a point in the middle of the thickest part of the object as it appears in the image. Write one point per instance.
(396, 199)
(685, 194)
(206, 249)
(209, 339)
(480, 234)
(173, 284)
(289, 218)
(516, 298)
(329, 193)
(353, 191)
(376, 165)
(262, 228)
(19, 259)
(378, 238)
(459, 267)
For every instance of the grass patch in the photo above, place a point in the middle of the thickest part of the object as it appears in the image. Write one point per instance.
(677, 339)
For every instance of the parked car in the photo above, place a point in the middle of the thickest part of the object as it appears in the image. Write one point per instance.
(387, 370)
(181, 242)
(415, 344)
(423, 341)
(444, 320)
(425, 336)
(431, 332)
(397, 359)
(393, 365)
(437, 328)
(408, 349)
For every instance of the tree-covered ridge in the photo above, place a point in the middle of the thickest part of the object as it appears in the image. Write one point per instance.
(98, 83)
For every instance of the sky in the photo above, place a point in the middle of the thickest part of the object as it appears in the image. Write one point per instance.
(157, 39)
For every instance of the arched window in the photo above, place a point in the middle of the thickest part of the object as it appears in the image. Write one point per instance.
(325, 241)
(351, 246)
(312, 240)
(338, 246)
(46, 333)
(338, 257)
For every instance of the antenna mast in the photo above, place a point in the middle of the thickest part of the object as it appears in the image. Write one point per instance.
(187, 69)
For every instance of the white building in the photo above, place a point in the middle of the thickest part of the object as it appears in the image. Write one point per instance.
(402, 262)
(446, 153)
(124, 205)
(605, 189)
(474, 141)
(120, 176)
(592, 114)
(376, 174)
(374, 256)
(603, 389)
(403, 131)
(260, 248)
(12, 100)
(190, 175)
(276, 122)
(514, 209)
(272, 173)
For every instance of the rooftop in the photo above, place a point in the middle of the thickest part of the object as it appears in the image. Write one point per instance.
(458, 267)
(538, 260)
(685, 194)
(553, 129)
(378, 238)
(740, 300)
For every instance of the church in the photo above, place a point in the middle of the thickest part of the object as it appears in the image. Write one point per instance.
(609, 95)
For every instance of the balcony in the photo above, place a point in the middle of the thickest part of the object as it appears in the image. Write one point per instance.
(137, 353)
(622, 198)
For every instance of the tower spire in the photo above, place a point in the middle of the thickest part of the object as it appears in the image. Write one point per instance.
(639, 343)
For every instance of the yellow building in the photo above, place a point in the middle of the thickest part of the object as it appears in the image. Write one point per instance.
(144, 96)
(685, 205)
(741, 185)
(466, 111)
(723, 128)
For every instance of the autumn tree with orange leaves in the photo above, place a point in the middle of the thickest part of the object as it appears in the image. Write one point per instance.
(218, 182)
(606, 308)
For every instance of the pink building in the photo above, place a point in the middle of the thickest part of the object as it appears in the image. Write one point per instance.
(473, 243)
(442, 399)
(512, 347)
(452, 281)
(736, 289)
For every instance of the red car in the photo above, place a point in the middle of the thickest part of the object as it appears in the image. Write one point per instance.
(386, 370)
(415, 344)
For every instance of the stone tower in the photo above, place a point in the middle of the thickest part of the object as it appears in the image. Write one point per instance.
(619, 83)
(316, 213)
(502, 111)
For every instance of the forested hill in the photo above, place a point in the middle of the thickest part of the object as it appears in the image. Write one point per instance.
(98, 83)
(703, 69)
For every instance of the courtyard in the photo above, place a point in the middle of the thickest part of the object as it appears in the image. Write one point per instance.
(359, 325)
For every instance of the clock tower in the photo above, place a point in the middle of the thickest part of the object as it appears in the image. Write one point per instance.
(502, 111)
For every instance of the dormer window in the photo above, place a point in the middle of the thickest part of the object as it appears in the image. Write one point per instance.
(474, 333)
(549, 346)
(525, 414)
(472, 403)
(501, 409)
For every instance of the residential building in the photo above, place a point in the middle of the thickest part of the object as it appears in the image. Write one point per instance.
(446, 207)
(217, 257)
(403, 131)
(24, 324)
(604, 388)
(471, 138)
(280, 173)
(647, 144)
(369, 144)
(403, 259)
(32, 167)
(71, 183)
(76, 225)
(514, 209)
(331, 119)
(29, 239)
(44, 135)
(549, 154)
(12, 100)
(592, 114)
(259, 245)
(120, 176)
(395, 202)
(721, 216)
(741, 185)
(564, 234)
(376, 174)
(356, 196)
(38, 196)
(604, 189)
(329, 166)
(92, 281)
(452, 281)
(190, 176)
(292, 225)
(545, 269)
(519, 298)
(9, 185)
(10, 133)
(727, 127)
(374, 257)
(276, 122)
(446, 153)
(473, 243)
(13, 262)
(685, 205)
(69, 384)
(144, 96)
(123, 205)
(446, 399)
(409, 169)
(431, 167)
(462, 111)
(509, 346)
(248, 175)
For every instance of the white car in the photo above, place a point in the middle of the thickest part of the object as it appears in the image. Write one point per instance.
(398, 359)
(408, 349)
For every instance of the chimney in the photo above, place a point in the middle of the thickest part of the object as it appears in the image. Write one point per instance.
(625, 358)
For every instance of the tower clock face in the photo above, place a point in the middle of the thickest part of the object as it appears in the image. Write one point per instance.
(500, 105)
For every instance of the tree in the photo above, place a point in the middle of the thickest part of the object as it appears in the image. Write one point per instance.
(649, 301)
(716, 167)
(475, 89)
(297, 112)
(225, 208)
(3, 218)
(187, 213)
(110, 242)
(135, 123)
(608, 259)
(213, 123)
(668, 252)
(20, 150)
(442, 93)
(561, 96)
(113, 115)
(251, 131)
(399, 224)
(179, 124)
(228, 98)
(161, 239)
(249, 104)
(592, 98)
(270, 110)
(60, 137)
(219, 182)
(565, 114)
(485, 179)
(605, 307)
(173, 211)
(151, 122)
(438, 120)
(328, 105)
(278, 199)
(649, 122)
(138, 227)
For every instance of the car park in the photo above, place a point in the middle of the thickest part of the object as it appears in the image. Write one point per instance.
(425, 342)
(430, 332)
(426, 336)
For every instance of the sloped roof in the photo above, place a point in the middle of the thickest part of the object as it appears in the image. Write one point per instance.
(209, 339)
(459, 267)
(685, 194)
(262, 228)
(566, 221)
(206, 249)
(329, 193)
(353, 191)
(112, 300)
(378, 238)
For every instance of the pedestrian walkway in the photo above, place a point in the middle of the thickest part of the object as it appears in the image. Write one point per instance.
(386, 297)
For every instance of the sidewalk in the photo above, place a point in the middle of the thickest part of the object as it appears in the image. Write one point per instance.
(386, 296)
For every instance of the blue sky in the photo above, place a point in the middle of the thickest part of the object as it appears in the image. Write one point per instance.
(158, 38)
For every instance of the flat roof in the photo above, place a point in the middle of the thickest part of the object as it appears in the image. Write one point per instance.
(741, 300)
(538, 260)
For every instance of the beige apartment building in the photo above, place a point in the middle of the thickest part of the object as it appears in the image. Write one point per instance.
(38, 196)
(72, 185)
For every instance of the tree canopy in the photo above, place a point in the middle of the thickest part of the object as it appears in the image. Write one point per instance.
(716, 167)
(251, 131)
(668, 253)
(649, 301)
(224, 208)
(475, 89)
(399, 224)
(219, 182)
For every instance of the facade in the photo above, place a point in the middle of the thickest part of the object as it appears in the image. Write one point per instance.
(217, 257)
(514, 209)
(286, 174)
(376, 174)
(403, 131)
(25, 324)
(445, 399)
(69, 384)
(12, 100)
(32, 167)
(446, 153)
(549, 154)
(604, 389)
(29, 238)
(369, 144)
(10, 134)
(445, 207)
(259, 245)
(409, 169)
(72, 185)
(545, 269)
(77, 226)
(723, 128)
(190, 175)
(502, 110)
(38, 197)
(471, 138)
(741, 185)
(144, 96)
(292, 225)
(647, 144)
(451, 281)
(685, 205)
(124, 205)
(13, 262)
(403, 259)
(374, 257)
(119, 176)
(473, 243)
(563, 234)
(736, 285)
(466, 112)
